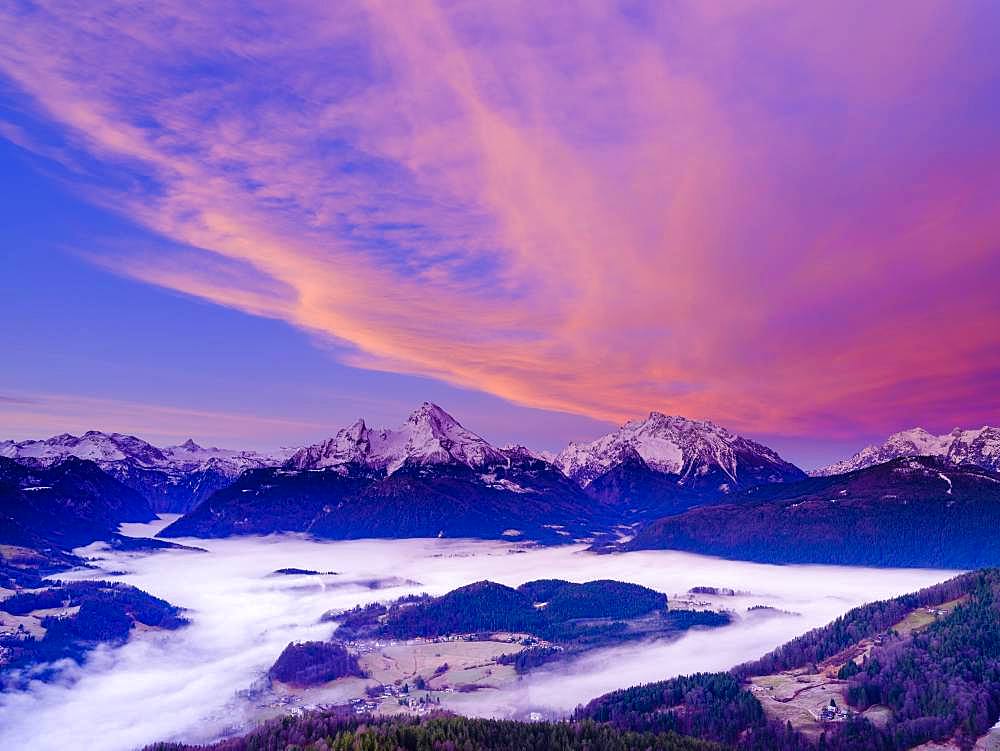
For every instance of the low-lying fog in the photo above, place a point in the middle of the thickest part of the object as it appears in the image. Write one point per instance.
(182, 685)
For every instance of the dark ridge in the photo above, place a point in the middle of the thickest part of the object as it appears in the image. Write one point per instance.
(914, 512)
(301, 572)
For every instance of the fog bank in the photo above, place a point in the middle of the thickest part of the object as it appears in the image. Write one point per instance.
(183, 684)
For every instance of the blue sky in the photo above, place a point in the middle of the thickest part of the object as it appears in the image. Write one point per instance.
(251, 223)
(75, 329)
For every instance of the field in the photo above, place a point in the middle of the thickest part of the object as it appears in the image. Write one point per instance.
(798, 696)
(446, 668)
(469, 663)
(923, 617)
(31, 622)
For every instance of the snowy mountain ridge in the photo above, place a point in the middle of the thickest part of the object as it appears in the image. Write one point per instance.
(429, 436)
(106, 449)
(692, 450)
(976, 446)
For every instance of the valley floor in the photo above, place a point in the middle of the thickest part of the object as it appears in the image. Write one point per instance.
(206, 677)
(447, 668)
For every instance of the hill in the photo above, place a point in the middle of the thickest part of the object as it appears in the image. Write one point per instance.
(314, 662)
(928, 662)
(545, 608)
(920, 511)
(67, 620)
(563, 618)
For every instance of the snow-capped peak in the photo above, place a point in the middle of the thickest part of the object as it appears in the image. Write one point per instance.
(429, 436)
(517, 450)
(93, 445)
(976, 446)
(673, 445)
(435, 437)
(110, 450)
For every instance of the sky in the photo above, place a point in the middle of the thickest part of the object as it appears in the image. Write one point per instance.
(251, 223)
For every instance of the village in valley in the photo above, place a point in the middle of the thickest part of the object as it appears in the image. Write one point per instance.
(423, 674)
(412, 676)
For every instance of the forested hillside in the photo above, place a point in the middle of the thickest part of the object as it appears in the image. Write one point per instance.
(77, 616)
(314, 662)
(47, 511)
(923, 512)
(333, 731)
(859, 623)
(546, 608)
(941, 683)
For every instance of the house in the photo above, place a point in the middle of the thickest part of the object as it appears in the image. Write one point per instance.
(832, 713)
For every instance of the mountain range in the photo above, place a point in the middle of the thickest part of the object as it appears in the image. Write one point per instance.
(980, 446)
(432, 476)
(174, 479)
(47, 511)
(645, 469)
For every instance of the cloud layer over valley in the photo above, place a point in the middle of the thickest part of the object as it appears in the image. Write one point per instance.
(183, 684)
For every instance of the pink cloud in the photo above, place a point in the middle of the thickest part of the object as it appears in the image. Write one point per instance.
(753, 212)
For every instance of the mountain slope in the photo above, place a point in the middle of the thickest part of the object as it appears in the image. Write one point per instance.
(348, 502)
(47, 511)
(68, 504)
(640, 493)
(980, 446)
(665, 465)
(429, 478)
(430, 436)
(920, 511)
(172, 479)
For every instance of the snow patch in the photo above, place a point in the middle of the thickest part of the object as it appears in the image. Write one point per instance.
(945, 477)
